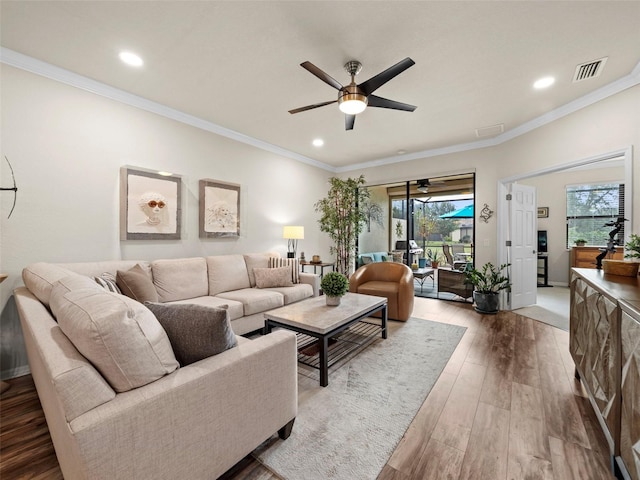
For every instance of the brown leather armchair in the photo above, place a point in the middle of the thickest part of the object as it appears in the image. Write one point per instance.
(386, 279)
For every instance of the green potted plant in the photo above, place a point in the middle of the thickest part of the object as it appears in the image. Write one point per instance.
(342, 220)
(334, 285)
(434, 258)
(580, 242)
(488, 282)
(632, 247)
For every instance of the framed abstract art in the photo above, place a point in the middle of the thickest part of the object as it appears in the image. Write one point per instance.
(219, 209)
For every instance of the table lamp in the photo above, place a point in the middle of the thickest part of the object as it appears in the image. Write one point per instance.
(292, 234)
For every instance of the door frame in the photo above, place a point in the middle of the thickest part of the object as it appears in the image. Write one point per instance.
(503, 206)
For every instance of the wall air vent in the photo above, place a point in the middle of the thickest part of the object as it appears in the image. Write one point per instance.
(589, 70)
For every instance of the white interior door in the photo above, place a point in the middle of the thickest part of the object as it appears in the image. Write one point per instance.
(523, 221)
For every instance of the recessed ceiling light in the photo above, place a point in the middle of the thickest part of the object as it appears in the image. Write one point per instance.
(318, 142)
(131, 59)
(544, 82)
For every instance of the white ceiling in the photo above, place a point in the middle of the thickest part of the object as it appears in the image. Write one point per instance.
(236, 64)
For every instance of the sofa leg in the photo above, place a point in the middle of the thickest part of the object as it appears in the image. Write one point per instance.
(285, 431)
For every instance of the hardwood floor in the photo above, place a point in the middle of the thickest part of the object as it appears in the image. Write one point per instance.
(506, 406)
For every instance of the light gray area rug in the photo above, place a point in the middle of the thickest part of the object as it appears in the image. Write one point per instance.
(349, 429)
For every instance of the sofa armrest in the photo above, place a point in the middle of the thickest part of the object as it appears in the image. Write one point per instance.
(312, 279)
(214, 411)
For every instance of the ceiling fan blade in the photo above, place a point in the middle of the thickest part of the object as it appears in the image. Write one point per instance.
(310, 107)
(349, 120)
(325, 77)
(376, 82)
(375, 101)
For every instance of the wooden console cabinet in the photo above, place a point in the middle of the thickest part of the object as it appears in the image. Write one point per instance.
(585, 257)
(604, 334)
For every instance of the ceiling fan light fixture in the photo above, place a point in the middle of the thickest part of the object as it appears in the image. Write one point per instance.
(352, 103)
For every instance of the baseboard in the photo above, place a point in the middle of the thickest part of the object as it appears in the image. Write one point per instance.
(559, 284)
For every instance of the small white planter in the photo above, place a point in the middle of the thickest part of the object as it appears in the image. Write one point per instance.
(333, 301)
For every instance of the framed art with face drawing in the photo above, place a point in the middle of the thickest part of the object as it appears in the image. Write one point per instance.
(150, 205)
(219, 209)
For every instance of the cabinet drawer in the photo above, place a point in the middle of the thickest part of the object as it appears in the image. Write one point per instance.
(630, 395)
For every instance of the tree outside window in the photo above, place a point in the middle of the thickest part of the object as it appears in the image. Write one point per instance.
(589, 207)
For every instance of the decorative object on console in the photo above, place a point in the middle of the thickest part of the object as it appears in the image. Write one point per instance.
(341, 220)
(292, 234)
(13, 189)
(488, 282)
(334, 285)
(486, 213)
(150, 205)
(316, 259)
(219, 209)
(581, 242)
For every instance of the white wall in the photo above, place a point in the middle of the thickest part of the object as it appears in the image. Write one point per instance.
(67, 146)
(609, 125)
(551, 192)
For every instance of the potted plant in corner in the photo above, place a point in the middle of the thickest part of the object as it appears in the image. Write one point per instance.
(580, 242)
(342, 220)
(334, 285)
(488, 282)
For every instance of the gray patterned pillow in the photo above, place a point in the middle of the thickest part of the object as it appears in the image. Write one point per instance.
(195, 331)
(273, 277)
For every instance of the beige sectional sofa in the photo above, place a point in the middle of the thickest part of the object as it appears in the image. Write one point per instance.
(194, 421)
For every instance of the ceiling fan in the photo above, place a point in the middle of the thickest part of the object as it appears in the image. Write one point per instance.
(354, 98)
(425, 183)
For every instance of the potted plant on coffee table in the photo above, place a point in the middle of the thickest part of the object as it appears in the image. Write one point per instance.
(334, 285)
(488, 282)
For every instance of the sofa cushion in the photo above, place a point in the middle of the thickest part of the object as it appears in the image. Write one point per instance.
(255, 300)
(40, 277)
(292, 263)
(294, 293)
(273, 277)
(118, 335)
(195, 332)
(227, 273)
(135, 283)
(366, 259)
(180, 278)
(256, 260)
(235, 309)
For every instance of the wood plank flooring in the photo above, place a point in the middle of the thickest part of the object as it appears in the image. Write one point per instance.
(506, 407)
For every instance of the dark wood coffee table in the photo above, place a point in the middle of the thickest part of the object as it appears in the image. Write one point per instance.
(343, 326)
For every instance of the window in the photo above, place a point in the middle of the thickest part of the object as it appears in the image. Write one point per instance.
(589, 208)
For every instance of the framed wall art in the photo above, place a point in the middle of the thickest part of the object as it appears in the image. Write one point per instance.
(219, 209)
(150, 205)
(543, 212)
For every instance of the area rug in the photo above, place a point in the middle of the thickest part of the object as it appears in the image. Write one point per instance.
(349, 429)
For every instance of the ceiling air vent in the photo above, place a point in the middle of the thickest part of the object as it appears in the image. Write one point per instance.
(589, 70)
(491, 131)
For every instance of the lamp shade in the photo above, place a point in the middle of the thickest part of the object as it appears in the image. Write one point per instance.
(293, 232)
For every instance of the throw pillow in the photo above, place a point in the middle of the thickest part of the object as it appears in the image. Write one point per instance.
(273, 277)
(277, 262)
(108, 282)
(366, 259)
(119, 336)
(136, 284)
(195, 331)
(385, 258)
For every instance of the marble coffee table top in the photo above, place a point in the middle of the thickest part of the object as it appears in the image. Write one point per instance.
(314, 315)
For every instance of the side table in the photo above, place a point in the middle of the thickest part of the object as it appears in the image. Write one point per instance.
(322, 266)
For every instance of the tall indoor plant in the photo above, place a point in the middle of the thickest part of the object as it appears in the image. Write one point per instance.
(488, 282)
(341, 218)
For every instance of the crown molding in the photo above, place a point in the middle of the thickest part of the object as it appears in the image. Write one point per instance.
(30, 64)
